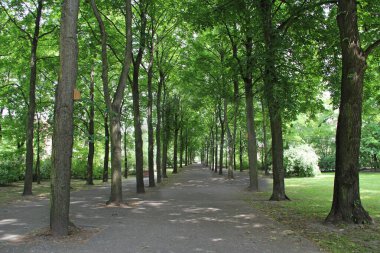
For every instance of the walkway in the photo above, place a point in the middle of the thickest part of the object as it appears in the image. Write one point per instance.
(196, 211)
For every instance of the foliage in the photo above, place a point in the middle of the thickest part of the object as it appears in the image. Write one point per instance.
(327, 163)
(301, 161)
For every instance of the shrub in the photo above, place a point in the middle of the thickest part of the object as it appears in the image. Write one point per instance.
(301, 161)
(327, 163)
(11, 170)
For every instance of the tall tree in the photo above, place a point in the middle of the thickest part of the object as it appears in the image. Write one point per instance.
(114, 106)
(143, 5)
(63, 120)
(347, 206)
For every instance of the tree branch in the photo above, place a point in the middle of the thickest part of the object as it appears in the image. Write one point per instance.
(371, 47)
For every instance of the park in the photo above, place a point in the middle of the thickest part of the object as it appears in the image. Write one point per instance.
(189, 126)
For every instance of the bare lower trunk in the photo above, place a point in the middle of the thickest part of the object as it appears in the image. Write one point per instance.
(252, 148)
(63, 120)
(158, 128)
(240, 153)
(106, 149)
(91, 132)
(38, 162)
(216, 148)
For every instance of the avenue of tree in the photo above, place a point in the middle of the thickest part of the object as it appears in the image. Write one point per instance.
(163, 82)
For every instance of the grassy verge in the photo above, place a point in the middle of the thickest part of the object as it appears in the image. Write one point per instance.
(311, 202)
(13, 192)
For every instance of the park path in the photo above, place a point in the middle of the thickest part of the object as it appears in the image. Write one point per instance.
(194, 211)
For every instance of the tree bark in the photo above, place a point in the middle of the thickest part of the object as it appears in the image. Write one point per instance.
(222, 128)
(181, 144)
(91, 132)
(216, 146)
(252, 148)
(63, 120)
(347, 206)
(230, 145)
(175, 155)
(126, 168)
(241, 153)
(38, 161)
(150, 114)
(106, 149)
(265, 139)
(158, 127)
(32, 104)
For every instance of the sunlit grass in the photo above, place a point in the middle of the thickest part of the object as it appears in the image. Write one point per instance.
(311, 202)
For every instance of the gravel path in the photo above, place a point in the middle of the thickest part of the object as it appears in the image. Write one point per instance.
(195, 211)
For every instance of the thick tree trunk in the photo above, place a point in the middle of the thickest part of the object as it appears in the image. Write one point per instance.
(158, 127)
(236, 103)
(347, 206)
(91, 132)
(273, 100)
(32, 105)
(63, 120)
(106, 149)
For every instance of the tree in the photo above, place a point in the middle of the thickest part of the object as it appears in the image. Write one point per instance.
(114, 105)
(347, 206)
(63, 120)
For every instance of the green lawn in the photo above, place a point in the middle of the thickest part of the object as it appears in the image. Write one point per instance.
(311, 202)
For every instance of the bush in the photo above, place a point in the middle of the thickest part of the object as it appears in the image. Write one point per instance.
(11, 170)
(301, 161)
(327, 163)
(45, 169)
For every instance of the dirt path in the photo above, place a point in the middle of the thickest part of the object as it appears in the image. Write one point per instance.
(196, 211)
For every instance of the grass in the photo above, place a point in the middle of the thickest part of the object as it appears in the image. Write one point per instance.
(311, 202)
(13, 192)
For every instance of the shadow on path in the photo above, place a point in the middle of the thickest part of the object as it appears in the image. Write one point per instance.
(194, 211)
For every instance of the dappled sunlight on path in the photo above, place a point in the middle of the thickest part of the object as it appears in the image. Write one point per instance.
(193, 211)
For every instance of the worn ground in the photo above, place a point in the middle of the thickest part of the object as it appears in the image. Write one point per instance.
(195, 211)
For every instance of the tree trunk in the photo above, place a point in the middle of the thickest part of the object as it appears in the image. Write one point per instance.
(126, 168)
(91, 132)
(106, 149)
(158, 127)
(347, 206)
(236, 103)
(32, 105)
(166, 134)
(241, 153)
(222, 128)
(230, 145)
(63, 120)
(181, 145)
(216, 147)
(136, 104)
(150, 114)
(38, 161)
(265, 145)
(273, 100)
(175, 152)
(212, 150)
(252, 148)
(186, 147)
